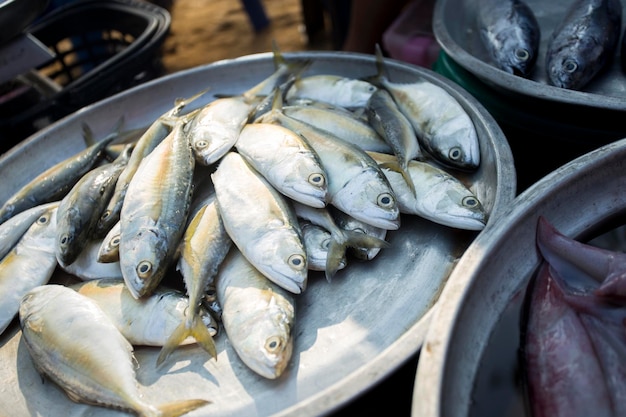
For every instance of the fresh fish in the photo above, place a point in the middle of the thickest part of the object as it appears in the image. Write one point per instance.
(317, 242)
(443, 127)
(80, 209)
(347, 222)
(53, 183)
(109, 250)
(154, 213)
(215, 128)
(356, 184)
(152, 320)
(261, 223)
(333, 89)
(574, 341)
(588, 265)
(30, 263)
(341, 122)
(341, 239)
(154, 134)
(439, 196)
(14, 228)
(204, 246)
(583, 43)
(258, 316)
(510, 33)
(87, 267)
(393, 126)
(73, 342)
(286, 161)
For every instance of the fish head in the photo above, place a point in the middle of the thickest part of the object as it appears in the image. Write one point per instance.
(269, 343)
(209, 146)
(281, 257)
(456, 145)
(368, 197)
(302, 181)
(69, 241)
(454, 206)
(570, 69)
(143, 259)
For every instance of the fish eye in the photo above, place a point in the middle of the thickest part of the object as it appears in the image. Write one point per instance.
(64, 240)
(273, 344)
(570, 66)
(326, 243)
(43, 219)
(522, 54)
(317, 179)
(470, 202)
(105, 215)
(201, 144)
(385, 200)
(297, 262)
(144, 268)
(455, 153)
(115, 241)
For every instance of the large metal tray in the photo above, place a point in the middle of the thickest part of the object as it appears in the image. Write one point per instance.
(469, 362)
(349, 333)
(456, 30)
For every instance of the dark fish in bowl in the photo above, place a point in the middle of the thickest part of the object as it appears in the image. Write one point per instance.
(510, 32)
(584, 43)
(574, 344)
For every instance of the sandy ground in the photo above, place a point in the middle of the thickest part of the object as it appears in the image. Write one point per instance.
(204, 31)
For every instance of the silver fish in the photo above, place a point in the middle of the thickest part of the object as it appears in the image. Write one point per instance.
(341, 239)
(347, 222)
(393, 126)
(333, 89)
(80, 209)
(73, 342)
(443, 127)
(154, 213)
(583, 43)
(260, 222)
(258, 316)
(510, 33)
(204, 246)
(14, 228)
(356, 184)
(53, 183)
(286, 160)
(152, 320)
(31, 262)
(341, 122)
(153, 135)
(215, 128)
(439, 196)
(109, 250)
(317, 241)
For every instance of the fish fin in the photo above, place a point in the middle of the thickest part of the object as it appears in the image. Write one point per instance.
(335, 258)
(178, 408)
(184, 330)
(396, 167)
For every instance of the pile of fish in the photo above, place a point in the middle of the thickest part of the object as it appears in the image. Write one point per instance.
(580, 47)
(574, 347)
(240, 199)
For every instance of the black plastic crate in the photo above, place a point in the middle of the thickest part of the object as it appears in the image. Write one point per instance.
(100, 47)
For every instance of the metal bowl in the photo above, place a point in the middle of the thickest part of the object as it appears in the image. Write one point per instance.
(468, 364)
(456, 29)
(350, 333)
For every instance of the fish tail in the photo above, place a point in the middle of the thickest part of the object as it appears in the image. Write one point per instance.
(362, 240)
(180, 103)
(174, 409)
(196, 329)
